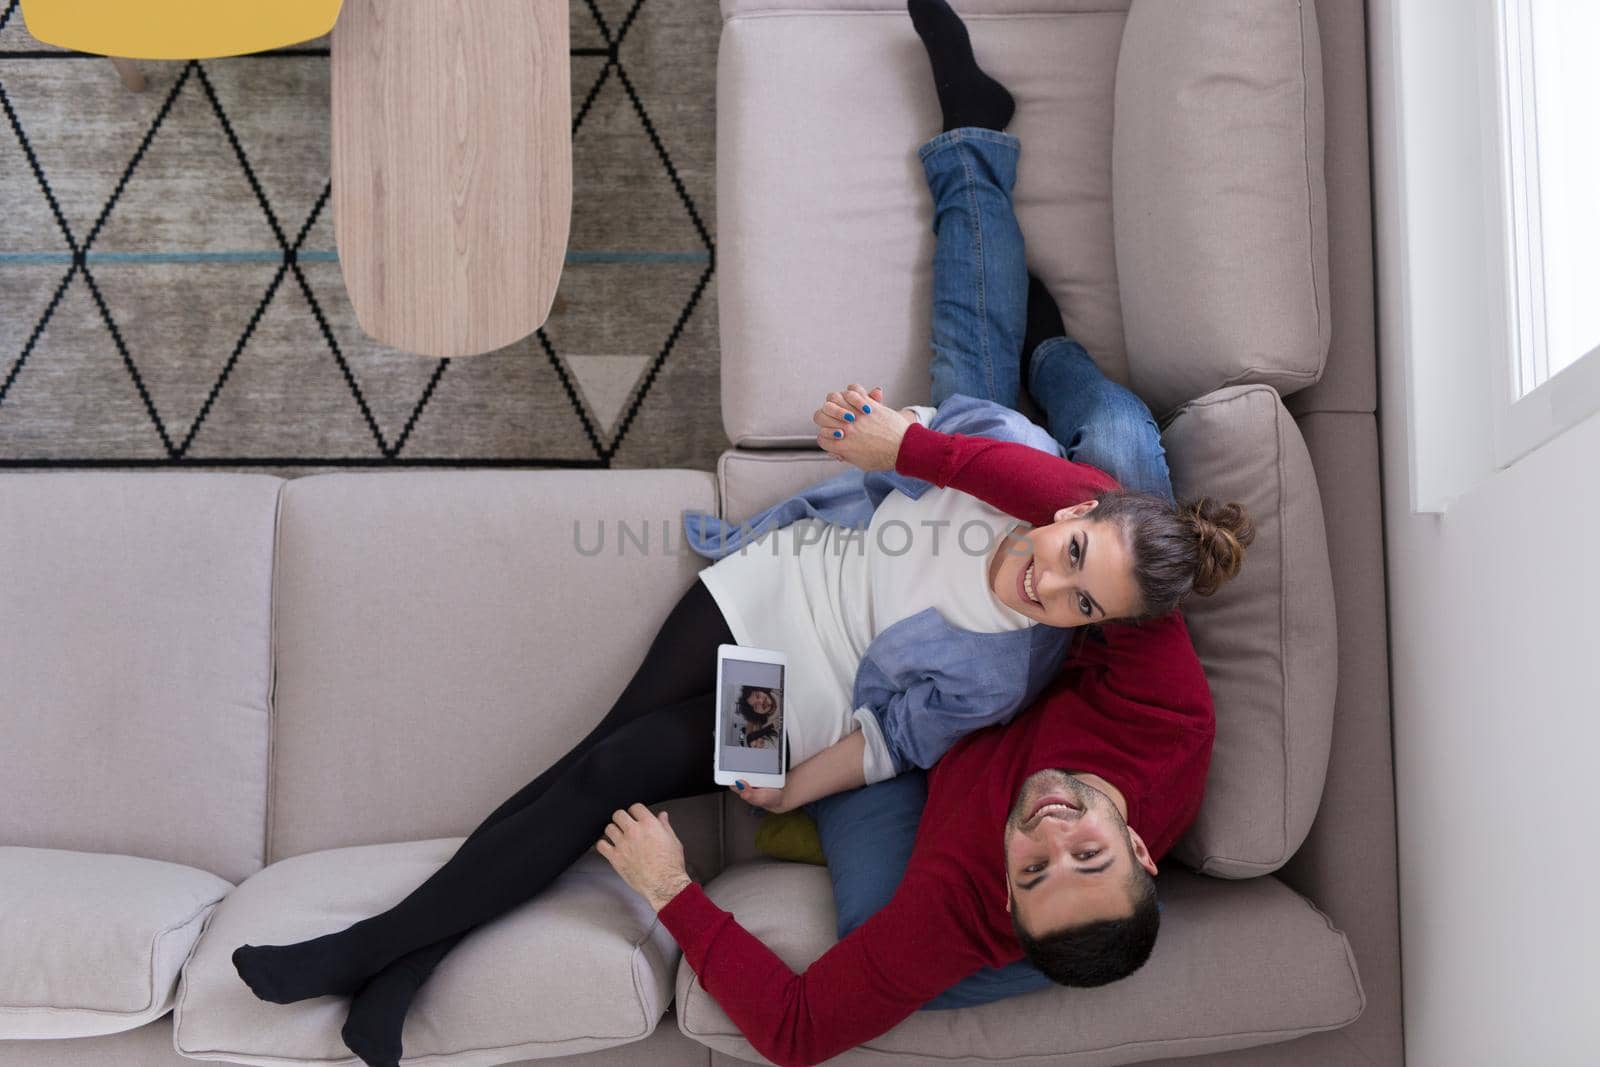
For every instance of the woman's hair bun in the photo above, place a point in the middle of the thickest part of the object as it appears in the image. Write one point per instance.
(1222, 532)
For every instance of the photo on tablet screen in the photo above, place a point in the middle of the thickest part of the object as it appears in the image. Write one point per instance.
(752, 716)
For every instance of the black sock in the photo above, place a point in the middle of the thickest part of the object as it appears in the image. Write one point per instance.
(332, 965)
(1044, 322)
(378, 1014)
(967, 96)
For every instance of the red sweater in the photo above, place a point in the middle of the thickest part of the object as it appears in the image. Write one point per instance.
(1133, 708)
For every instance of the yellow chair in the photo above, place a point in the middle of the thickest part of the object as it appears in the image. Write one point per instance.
(175, 29)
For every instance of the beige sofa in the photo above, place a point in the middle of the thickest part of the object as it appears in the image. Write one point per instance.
(235, 707)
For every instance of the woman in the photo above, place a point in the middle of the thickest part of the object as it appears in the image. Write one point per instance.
(758, 722)
(893, 653)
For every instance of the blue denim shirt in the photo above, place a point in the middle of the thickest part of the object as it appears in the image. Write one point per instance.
(923, 683)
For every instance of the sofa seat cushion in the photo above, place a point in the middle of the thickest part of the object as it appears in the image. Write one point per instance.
(582, 966)
(92, 942)
(1237, 964)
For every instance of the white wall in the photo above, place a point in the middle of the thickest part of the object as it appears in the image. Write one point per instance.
(1494, 622)
(1494, 604)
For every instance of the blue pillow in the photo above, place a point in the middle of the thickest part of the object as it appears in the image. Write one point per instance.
(867, 835)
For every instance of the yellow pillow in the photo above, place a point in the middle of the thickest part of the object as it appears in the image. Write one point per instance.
(790, 835)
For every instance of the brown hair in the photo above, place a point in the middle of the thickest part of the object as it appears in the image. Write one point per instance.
(1177, 550)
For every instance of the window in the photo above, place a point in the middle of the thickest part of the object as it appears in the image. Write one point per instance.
(1486, 190)
(1552, 86)
(1550, 111)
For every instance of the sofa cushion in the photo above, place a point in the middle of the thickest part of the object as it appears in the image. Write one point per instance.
(1237, 964)
(92, 942)
(1218, 197)
(824, 219)
(1268, 639)
(791, 836)
(582, 966)
(136, 663)
(444, 636)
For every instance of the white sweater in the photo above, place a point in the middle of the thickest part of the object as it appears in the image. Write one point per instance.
(821, 594)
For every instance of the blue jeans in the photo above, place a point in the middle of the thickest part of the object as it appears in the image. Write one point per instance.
(980, 312)
(980, 294)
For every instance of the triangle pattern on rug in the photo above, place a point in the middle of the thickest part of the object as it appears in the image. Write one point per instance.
(180, 354)
(508, 403)
(286, 396)
(390, 381)
(606, 382)
(188, 172)
(626, 200)
(83, 128)
(74, 397)
(290, 161)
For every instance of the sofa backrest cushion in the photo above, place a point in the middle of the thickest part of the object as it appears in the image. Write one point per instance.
(445, 636)
(136, 663)
(1218, 197)
(825, 239)
(1267, 639)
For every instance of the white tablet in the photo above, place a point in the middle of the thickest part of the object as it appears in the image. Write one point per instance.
(748, 738)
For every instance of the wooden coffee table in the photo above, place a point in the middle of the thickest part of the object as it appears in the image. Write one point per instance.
(452, 168)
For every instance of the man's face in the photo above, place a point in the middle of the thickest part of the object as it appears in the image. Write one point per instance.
(1069, 855)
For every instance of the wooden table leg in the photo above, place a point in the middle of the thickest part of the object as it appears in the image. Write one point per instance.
(128, 73)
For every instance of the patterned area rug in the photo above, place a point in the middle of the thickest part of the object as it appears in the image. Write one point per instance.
(170, 294)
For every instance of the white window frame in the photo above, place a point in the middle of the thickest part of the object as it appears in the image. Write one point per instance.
(1446, 281)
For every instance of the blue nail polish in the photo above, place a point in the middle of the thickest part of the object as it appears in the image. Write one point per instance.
(838, 433)
(739, 786)
(866, 409)
(849, 416)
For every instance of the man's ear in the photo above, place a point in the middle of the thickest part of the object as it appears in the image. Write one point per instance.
(1140, 852)
(1077, 511)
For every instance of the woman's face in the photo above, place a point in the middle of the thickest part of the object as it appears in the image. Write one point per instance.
(1072, 572)
(761, 702)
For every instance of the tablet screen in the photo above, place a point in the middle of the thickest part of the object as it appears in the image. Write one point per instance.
(751, 730)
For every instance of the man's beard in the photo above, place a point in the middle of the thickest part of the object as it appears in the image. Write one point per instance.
(1045, 783)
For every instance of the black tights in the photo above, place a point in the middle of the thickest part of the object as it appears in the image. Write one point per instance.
(653, 745)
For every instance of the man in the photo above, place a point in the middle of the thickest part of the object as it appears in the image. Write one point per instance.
(1038, 838)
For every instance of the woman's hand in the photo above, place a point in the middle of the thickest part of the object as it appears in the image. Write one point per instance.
(856, 426)
(760, 797)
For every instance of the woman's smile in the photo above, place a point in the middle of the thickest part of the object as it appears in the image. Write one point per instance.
(1025, 591)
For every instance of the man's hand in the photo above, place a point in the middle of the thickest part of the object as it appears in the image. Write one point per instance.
(760, 797)
(642, 848)
(869, 431)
